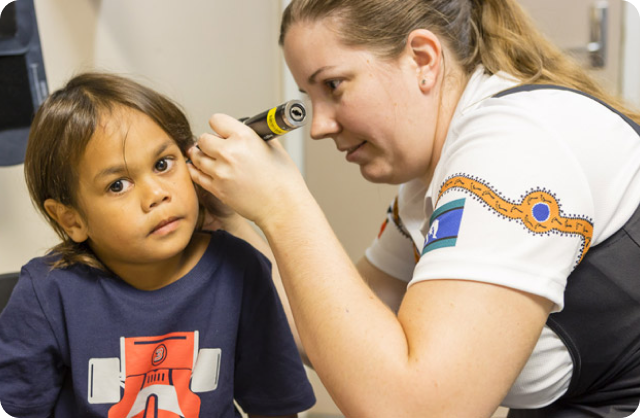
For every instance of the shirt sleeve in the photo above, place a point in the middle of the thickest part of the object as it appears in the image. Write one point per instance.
(393, 251)
(270, 378)
(31, 369)
(513, 207)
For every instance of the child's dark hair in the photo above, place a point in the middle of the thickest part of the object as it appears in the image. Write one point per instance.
(61, 130)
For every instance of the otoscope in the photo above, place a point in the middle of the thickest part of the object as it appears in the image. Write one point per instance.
(278, 120)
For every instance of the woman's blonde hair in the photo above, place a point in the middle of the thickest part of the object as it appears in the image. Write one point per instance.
(63, 126)
(497, 34)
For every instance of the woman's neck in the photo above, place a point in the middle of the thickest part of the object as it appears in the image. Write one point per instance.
(452, 85)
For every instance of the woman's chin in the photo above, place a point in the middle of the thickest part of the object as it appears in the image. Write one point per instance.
(384, 175)
(377, 175)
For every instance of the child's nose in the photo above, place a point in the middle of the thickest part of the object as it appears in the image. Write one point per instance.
(155, 194)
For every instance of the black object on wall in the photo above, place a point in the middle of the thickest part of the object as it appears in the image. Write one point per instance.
(23, 84)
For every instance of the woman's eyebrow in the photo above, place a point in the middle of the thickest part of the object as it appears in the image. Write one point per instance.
(312, 77)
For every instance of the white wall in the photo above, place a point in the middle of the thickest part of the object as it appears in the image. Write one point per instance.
(630, 74)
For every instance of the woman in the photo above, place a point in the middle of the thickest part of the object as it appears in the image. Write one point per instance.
(512, 223)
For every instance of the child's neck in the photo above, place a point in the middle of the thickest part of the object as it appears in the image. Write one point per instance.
(159, 275)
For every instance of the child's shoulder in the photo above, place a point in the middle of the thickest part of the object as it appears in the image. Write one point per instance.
(229, 247)
(44, 276)
(223, 239)
(53, 288)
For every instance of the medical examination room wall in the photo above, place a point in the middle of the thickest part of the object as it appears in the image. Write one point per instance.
(210, 56)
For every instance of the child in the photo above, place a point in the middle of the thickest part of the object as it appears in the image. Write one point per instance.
(137, 312)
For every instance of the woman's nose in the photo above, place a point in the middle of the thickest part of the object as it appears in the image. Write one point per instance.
(323, 123)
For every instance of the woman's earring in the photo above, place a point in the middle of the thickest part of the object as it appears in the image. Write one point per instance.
(424, 81)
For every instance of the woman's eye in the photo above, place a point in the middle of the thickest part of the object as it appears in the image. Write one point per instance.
(333, 84)
(119, 186)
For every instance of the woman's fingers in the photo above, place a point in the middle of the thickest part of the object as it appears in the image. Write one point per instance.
(246, 173)
(226, 126)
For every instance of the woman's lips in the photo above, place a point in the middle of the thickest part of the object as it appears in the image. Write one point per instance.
(351, 151)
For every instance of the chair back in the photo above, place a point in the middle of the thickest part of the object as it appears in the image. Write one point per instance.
(7, 283)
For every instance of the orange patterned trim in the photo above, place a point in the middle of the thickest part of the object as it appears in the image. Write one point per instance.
(538, 211)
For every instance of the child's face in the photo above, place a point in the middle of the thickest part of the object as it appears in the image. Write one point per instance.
(135, 194)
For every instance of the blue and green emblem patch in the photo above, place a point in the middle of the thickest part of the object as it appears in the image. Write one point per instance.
(444, 226)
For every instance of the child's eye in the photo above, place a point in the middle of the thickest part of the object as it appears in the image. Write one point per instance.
(119, 186)
(164, 164)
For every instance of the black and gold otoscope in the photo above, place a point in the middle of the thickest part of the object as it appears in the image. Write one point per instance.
(278, 120)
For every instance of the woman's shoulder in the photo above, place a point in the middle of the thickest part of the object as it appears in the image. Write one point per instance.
(500, 94)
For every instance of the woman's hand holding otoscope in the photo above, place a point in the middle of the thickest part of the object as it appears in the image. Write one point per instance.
(245, 173)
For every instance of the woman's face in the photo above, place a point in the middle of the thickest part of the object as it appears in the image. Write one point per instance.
(373, 108)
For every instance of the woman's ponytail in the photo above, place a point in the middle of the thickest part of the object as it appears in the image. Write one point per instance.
(509, 41)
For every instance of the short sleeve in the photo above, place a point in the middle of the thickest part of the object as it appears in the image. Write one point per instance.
(513, 206)
(393, 251)
(31, 369)
(270, 378)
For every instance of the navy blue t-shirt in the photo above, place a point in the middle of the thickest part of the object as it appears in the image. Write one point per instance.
(80, 342)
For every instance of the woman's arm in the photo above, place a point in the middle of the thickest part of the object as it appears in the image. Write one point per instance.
(273, 416)
(389, 289)
(455, 347)
(386, 287)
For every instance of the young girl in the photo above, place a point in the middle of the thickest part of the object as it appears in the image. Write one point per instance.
(137, 311)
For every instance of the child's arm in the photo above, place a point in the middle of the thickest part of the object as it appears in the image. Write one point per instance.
(270, 379)
(31, 368)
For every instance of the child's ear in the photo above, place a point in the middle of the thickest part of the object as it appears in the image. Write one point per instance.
(68, 218)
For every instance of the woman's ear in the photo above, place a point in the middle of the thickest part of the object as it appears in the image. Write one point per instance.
(425, 49)
(69, 219)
